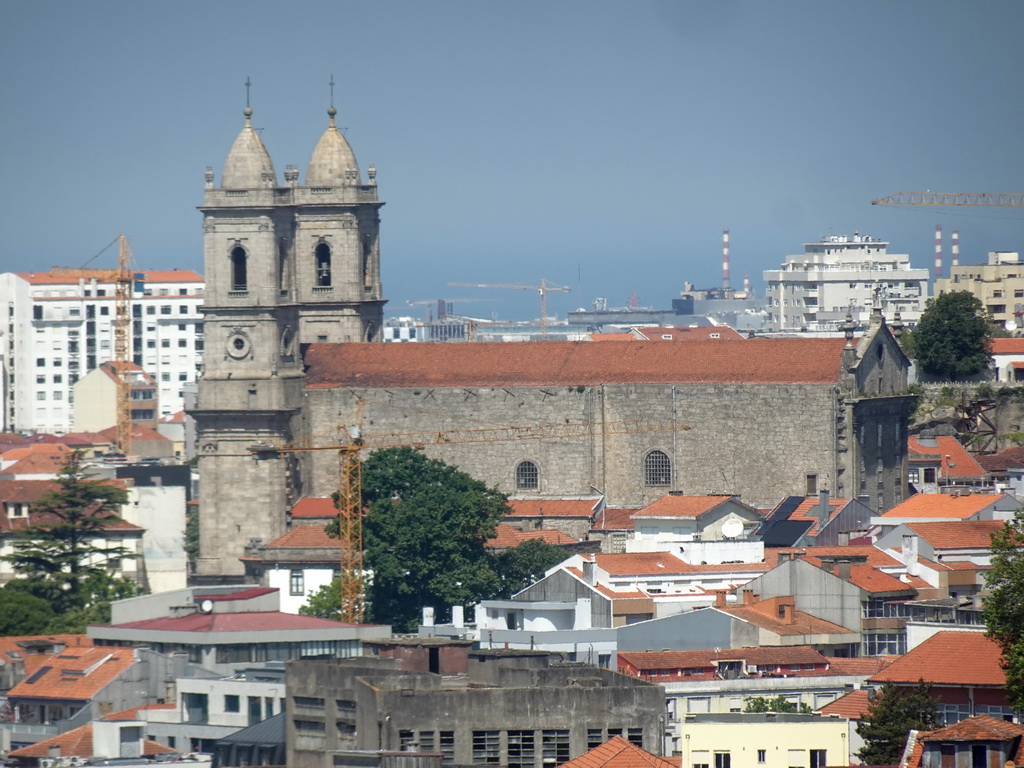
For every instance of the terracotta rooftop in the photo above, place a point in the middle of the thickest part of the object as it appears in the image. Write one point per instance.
(37, 464)
(506, 536)
(173, 418)
(1003, 460)
(808, 510)
(305, 536)
(1009, 346)
(672, 505)
(870, 579)
(77, 674)
(954, 458)
(78, 743)
(687, 333)
(944, 506)
(138, 433)
(618, 753)
(569, 363)
(312, 506)
(977, 662)
(615, 519)
(760, 656)
(765, 614)
(852, 706)
(959, 534)
(553, 507)
(977, 728)
(22, 451)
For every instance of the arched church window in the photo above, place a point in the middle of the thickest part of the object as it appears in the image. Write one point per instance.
(657, 469)
(527, 476)
(239, 269)
(323, 265)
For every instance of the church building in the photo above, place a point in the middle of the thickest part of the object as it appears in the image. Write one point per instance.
(293, 316)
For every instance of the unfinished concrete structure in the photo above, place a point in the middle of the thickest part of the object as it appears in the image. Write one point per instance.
(512, 708)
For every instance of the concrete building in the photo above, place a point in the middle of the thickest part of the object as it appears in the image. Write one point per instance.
(60, 326)
(769, 739)
(814, 290)
(512, 708)
(998, 284)
(95, 401)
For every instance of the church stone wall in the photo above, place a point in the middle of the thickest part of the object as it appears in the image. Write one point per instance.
(757, 441)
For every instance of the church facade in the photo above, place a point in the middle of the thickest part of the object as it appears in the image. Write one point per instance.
(293, 316)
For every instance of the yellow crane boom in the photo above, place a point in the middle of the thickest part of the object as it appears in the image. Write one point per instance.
(998, 199)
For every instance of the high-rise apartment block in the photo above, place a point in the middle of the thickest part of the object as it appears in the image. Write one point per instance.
(60, 326)
(814, 290)
(999, 285)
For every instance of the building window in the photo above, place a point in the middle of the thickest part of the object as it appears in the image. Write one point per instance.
(527, 476)
(165, 309)
(104, 310)
(723, 760)
(635, 736)
(446, 743)
(812, 485)
(818, 758)
(555, 747)
(231, 703)
(486, 747)
(297, 583)
(239, 271)
(929, 474)
(150, 310)
(657, 469)
(323, 265)
(762, 755)
(522, 752)
(595, 738)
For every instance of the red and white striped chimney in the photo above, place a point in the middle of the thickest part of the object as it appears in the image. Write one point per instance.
(725, 259)
(746, 285)
(956, 248)
(938, 250)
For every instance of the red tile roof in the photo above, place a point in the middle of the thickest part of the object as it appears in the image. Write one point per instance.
(955, 460)
(23, 451)
(312, 506)
(506, 536)
(569, 363)
(864, 665)
(255, 621)
(808, 510)
(1004, 459)
(306, 536)
(615, 519)
(138, 433)
(944, 506)
(1009, 346)
(958, 534)
(79, 743)
(77, 674)
(852, 706)
(618, 753)
(977, 728)
(672, 505)
(695, 333)
(641, 563)
(552, 507)
(976, 662)
(37, 464)
(765, 614)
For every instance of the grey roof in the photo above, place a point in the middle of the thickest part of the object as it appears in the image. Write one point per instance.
(269, 731)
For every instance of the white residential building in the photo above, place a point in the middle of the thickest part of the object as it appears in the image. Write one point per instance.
(61, 326)
(814, 290)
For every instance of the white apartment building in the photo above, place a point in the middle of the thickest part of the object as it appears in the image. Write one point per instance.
(814, 290)
(60, 327)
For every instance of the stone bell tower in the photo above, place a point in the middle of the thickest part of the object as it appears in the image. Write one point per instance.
(285, 266)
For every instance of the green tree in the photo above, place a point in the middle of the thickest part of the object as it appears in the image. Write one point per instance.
(23, 614)
(892, 713)
(1004, 607)
(325, 603)
(773, 704)
(952, 337)
(60, 557)
(521, 566)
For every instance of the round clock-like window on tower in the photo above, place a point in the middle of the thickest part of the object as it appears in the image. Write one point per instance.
(239, 345)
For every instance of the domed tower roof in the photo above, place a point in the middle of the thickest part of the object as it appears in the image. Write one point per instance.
(333, 164)
(248, 164)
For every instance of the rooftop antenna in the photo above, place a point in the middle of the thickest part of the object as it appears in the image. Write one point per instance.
(248, 85)
(331, 83)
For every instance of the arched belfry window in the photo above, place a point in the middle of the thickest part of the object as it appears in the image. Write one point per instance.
(527, 476)
(239, 269)
(323, 265)
(657, 469)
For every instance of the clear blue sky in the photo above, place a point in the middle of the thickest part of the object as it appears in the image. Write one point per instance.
(601, 145)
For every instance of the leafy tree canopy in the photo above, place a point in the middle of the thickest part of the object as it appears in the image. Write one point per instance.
(61, 557)
(23, 614)
(1004, 607)
(325, 603)
(952, 337)
(892, 713)
(774, 704)
(424, 537)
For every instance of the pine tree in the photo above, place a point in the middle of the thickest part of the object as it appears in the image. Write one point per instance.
(951, 340)
(892, 713)
(60, 557)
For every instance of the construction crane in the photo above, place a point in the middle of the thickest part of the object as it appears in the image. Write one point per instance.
(123, 281)
(444, 306)
(542, 289)
(352, 441)
(991, 199)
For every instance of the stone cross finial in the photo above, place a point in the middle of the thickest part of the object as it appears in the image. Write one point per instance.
(848, 328)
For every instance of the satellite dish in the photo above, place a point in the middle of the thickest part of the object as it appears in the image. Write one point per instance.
(732, 528)
(206, 606)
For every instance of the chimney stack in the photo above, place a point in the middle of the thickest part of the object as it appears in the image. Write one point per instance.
(725, 259)
(938, 250)
(749, 598)
(955, 257)
(787, 611)
(824, 509)
(588, 572)
(719, 598)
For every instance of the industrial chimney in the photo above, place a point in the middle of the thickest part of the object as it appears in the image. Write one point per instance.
(938, 250)
(725, 259)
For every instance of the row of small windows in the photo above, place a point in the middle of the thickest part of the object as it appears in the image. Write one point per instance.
(240, 267)
(657, 472)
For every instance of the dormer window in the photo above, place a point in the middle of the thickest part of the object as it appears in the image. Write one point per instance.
(323, 265)
(239, 269)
